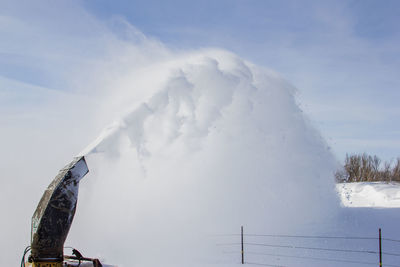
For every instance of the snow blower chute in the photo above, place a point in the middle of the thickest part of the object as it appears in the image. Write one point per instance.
(53, 218)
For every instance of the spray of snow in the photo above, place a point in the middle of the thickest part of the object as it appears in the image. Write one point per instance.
(218, 144)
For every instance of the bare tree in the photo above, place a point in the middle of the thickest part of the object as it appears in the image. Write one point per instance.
(341, 176)
(396, 171)
(352, 166)
(376, 163)
(363, 167)
(385, 173)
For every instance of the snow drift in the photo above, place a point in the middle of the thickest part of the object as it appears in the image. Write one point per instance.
(369, 194)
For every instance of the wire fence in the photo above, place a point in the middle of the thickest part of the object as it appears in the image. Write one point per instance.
(315, 237)
(368, 249)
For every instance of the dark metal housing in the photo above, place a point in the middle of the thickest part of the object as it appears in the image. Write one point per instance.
(54, 214)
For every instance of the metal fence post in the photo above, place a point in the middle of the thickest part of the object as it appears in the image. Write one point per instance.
(380, 247)
(242, 251)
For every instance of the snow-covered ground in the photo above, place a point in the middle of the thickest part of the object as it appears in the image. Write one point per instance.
(369, 194)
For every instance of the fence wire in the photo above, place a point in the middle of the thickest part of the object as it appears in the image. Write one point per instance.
(314, 248)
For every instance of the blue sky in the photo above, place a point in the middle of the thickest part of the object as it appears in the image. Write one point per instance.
(343, 56)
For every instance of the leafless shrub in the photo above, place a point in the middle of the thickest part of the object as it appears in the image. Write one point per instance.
(366, 168)
(396, 171)
(341, 176)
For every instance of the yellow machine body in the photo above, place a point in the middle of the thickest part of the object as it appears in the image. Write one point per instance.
(45, 264)
(66, 263)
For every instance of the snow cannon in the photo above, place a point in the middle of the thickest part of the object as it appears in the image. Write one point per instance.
(53, 218)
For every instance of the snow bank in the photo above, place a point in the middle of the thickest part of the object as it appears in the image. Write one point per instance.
(369, 194)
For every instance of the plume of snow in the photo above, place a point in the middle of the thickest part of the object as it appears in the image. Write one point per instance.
(202, 142)
(218, 144)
